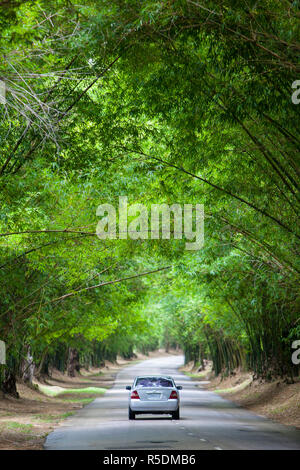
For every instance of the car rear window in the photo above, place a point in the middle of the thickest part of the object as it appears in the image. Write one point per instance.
(153, 382)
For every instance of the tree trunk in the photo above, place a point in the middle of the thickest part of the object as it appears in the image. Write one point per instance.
(41, 366)
(73, 365)
(28, 367)
(8, 385)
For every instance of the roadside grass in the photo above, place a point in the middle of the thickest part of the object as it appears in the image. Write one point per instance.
(283, 408)
(236, 388)
(229, 390)
(15, 426)
(198, 375)
(25, 423)
(55, 391)
(83, 401)
(4, 414)
(90, 376)
(49, 418)
(279, 410)
(87, 390)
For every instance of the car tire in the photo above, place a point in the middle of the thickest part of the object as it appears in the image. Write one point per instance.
(175, 414)
(131, 414)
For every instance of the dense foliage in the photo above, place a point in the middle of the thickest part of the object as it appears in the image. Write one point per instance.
(164, 102)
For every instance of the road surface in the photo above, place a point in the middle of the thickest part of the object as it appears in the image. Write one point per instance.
(208, 421)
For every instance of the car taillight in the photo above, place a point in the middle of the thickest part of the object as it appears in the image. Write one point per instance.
(134, 395)
(173, 395)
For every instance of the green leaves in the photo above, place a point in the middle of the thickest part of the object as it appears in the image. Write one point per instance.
(197, 109)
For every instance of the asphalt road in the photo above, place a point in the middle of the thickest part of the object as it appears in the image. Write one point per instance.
(207, 420)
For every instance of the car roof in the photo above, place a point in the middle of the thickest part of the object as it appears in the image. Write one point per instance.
(153, 377)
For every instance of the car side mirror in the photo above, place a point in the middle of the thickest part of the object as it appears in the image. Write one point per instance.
(179, 387)
(128, 387)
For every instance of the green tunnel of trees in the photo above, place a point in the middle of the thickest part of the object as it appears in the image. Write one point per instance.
(163, 102)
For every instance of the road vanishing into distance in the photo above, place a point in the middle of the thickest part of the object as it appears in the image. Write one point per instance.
(208, 421)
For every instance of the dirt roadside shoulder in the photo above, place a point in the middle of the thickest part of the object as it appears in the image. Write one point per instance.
(25, 422)
(277, 400)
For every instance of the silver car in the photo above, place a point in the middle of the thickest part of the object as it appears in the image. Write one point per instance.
(153, 395)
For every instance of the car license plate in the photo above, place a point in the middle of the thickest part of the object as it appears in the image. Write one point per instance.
(154, 396)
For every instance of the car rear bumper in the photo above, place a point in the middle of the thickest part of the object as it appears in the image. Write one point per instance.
(154, 406)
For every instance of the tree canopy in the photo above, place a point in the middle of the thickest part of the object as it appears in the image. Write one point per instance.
(163, 102)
